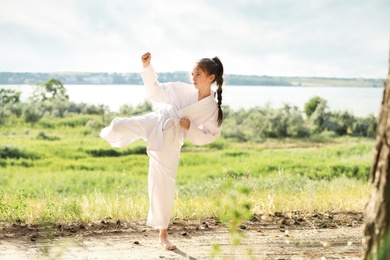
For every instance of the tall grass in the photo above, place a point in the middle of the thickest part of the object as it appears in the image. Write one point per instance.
(68, 173)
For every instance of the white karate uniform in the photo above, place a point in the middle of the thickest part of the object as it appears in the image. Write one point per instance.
(164, 136)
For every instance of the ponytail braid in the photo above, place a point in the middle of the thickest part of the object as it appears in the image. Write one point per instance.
(220, 113)
(219, 80)
(214, 67)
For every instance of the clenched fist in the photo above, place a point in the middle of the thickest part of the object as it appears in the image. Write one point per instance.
(185, 123)
(146, 59)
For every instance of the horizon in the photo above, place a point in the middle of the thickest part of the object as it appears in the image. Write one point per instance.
(166, 72)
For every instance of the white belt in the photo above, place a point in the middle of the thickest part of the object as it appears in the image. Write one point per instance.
(177, 129)
(173, 118)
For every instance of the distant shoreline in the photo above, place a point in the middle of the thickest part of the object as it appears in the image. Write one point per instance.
(103, 78)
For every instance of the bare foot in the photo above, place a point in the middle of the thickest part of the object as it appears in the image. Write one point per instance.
(165, 241)
(168, 244)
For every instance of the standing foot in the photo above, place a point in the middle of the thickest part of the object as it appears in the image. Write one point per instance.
(165, 241)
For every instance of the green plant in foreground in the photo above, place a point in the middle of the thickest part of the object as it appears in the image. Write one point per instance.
(13, 208)
(3, 203)
(236, 208)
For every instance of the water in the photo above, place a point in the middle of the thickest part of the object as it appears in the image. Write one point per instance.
(358, 101)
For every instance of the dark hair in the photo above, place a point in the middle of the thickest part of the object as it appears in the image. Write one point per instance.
(214, 67)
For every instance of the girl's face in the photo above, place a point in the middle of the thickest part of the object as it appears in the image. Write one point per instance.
(201, 79)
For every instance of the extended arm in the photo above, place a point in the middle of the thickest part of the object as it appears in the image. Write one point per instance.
(154, 90)
(171, 92)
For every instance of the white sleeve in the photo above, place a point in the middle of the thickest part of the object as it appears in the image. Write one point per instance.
(206, 133)
(171, 92)
(155, 90)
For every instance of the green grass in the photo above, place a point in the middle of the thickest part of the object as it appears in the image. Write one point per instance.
(66, 172)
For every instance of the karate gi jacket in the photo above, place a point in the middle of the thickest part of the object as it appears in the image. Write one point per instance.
(182, 100)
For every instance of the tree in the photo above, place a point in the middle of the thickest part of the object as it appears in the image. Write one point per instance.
(8, 96)
(312, 105)
(9, 103)
(376, 241)
(318, 120)
(49, 91)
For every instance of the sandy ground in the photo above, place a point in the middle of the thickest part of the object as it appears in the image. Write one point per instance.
(299, 236)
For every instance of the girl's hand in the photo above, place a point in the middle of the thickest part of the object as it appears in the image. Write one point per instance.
(185, 123)
(146, 59)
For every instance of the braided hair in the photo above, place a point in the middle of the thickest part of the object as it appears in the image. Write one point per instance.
(214, 67)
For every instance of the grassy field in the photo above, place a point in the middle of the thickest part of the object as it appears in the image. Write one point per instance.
(62, 171)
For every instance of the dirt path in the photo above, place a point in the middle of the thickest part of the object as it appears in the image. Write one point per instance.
(320, 238)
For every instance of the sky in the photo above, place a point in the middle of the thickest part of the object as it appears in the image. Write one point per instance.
(321, 38)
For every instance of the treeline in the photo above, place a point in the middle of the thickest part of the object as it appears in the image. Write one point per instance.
(316, 122)
(89, 78)
(70, 78)
(50, 100)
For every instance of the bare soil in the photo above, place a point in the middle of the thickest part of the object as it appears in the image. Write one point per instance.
(293, 235)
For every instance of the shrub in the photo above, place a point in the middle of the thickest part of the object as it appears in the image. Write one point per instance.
(94, 124)
(143, 108)
(13, 152)
(32, 114)
(117, 152)
(339, 122)
(73, 122)
(218, 145)
(140, 109)
(365, 126)
(93, 109)
(104, 153)
(3, 163)
(43, 136)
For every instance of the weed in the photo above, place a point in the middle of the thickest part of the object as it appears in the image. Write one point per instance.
(236, 207)
(72, 211)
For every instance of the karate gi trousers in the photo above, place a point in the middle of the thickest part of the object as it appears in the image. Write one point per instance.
(162, 163)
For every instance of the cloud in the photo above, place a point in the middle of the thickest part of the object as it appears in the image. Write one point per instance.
(279, 37)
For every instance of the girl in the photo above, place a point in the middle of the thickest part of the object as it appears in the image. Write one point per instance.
(193, 112)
